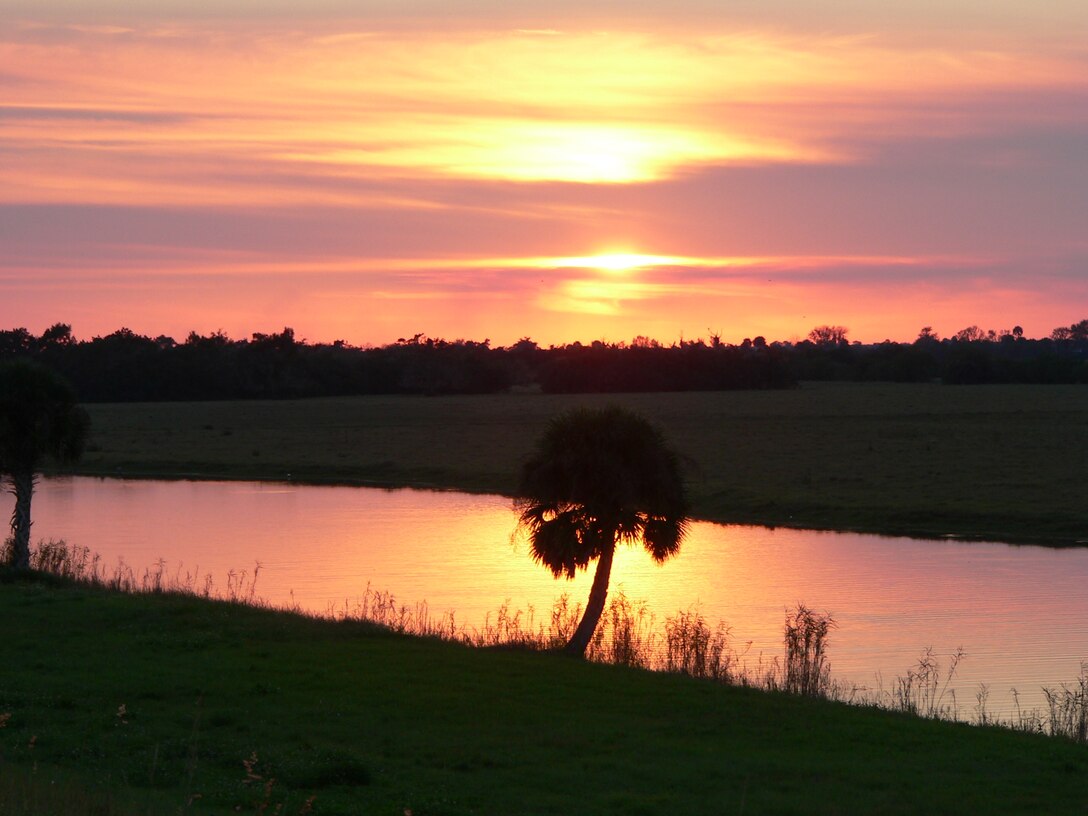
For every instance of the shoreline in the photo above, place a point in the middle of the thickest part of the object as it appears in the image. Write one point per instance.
(979, 463)
(924, 533)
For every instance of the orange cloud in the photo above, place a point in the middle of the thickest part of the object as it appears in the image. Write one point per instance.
(191, 110)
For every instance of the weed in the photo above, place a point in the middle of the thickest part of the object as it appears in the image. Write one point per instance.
(627, 636)
(692, 647)
(1067, 708)
(807, 671)
(924, 690)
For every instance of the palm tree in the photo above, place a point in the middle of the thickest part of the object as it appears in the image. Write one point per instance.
(599, 477)
(39, 418)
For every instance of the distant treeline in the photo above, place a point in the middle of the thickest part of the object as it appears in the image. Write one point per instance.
(125, 366)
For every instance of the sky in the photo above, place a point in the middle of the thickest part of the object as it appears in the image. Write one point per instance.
(498, 169)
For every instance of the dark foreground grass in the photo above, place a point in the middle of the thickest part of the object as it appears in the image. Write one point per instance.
(997, 462)
(160, 703)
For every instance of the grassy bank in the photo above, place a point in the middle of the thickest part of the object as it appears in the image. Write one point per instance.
(166, 704)
(996, 462)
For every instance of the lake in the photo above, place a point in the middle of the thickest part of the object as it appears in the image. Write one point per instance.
(1019, 612)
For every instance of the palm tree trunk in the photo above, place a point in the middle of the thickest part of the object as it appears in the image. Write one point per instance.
(598, 594)
(22, 485)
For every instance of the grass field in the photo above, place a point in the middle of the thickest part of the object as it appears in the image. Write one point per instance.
(997, 462)
(115, 704)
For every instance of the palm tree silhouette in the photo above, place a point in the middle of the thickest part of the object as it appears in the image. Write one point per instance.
(39, 418)
(599, 477)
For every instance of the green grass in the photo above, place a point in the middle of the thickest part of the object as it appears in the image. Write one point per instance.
(996, 462)
(372, 723)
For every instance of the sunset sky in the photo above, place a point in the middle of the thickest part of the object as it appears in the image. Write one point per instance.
(559, 170)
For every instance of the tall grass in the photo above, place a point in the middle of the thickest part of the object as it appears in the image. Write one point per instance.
(807, 671)
(628, 635)
(59, 559)
(695, 648)
(1067, 708)
(925, 689)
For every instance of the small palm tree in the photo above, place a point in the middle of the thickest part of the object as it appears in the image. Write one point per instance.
(39, 418)
(599, 477)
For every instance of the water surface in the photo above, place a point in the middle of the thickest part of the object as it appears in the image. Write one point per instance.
(1020, 612)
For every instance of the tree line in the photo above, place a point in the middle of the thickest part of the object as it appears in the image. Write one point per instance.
(125, 366)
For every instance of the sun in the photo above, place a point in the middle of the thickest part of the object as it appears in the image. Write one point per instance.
(615, 262)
